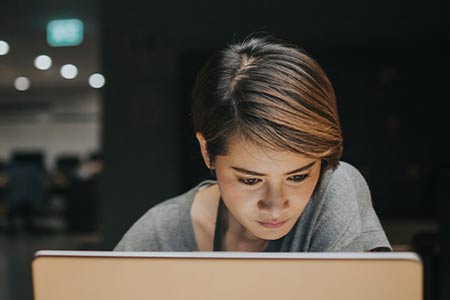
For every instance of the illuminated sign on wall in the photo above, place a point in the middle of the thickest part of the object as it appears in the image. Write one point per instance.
(64, 33)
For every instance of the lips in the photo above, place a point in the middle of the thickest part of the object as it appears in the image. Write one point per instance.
(272, 224)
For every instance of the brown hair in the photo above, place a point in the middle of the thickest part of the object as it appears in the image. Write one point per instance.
(271, 93)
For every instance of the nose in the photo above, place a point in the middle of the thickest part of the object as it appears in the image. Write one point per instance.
(275, 202)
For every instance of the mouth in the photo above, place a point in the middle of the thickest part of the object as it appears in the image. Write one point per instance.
(272, 224)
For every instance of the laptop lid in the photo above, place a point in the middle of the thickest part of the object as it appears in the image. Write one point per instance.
(99, 275)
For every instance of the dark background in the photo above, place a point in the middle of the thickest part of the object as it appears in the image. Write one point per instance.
(387, 61)
(384, 59)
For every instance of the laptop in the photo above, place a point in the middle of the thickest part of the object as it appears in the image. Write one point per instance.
(107, 275)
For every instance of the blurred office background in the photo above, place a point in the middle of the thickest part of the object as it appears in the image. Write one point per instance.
(97, 130)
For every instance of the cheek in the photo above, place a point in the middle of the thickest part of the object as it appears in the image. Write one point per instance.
(309, 187)
(300, 195)
(298, 201)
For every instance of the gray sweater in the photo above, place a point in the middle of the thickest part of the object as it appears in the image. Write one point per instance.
(338, 217)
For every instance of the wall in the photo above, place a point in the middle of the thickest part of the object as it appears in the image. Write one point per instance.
(57, 127)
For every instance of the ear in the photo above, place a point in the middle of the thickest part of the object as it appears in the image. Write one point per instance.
(204, 150)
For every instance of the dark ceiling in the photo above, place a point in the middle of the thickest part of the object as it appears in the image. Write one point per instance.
(23, 26)
(198, 25)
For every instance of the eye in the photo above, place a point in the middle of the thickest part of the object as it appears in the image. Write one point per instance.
(298, 178)
(249, 181)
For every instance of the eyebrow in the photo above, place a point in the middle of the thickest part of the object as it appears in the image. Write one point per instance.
(249, 172)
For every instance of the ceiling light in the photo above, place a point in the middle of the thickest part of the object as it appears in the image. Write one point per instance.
(69, 71)
(22, 83)
(43, 62)
(96, 80)
(4, 48)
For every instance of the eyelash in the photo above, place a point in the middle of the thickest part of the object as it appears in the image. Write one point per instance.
(299, 178)
(254, 181)
(249, 181)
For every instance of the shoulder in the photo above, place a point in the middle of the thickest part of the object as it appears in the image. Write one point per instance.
(145, 234)
(344, 185)
(166, 211)
(346, 220)
(165, 226)
(346, 173)
(339, 199)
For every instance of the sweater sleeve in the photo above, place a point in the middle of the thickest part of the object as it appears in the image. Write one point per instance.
(142, 236)
(347, 221)
(165, 227)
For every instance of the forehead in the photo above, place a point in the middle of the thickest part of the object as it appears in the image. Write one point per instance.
(244, 152)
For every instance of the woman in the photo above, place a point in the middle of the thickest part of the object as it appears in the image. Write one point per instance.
(266, 120)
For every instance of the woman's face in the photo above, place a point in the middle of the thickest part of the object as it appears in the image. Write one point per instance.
(265, 191)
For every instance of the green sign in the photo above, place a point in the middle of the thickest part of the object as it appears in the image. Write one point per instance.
(63, 33)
